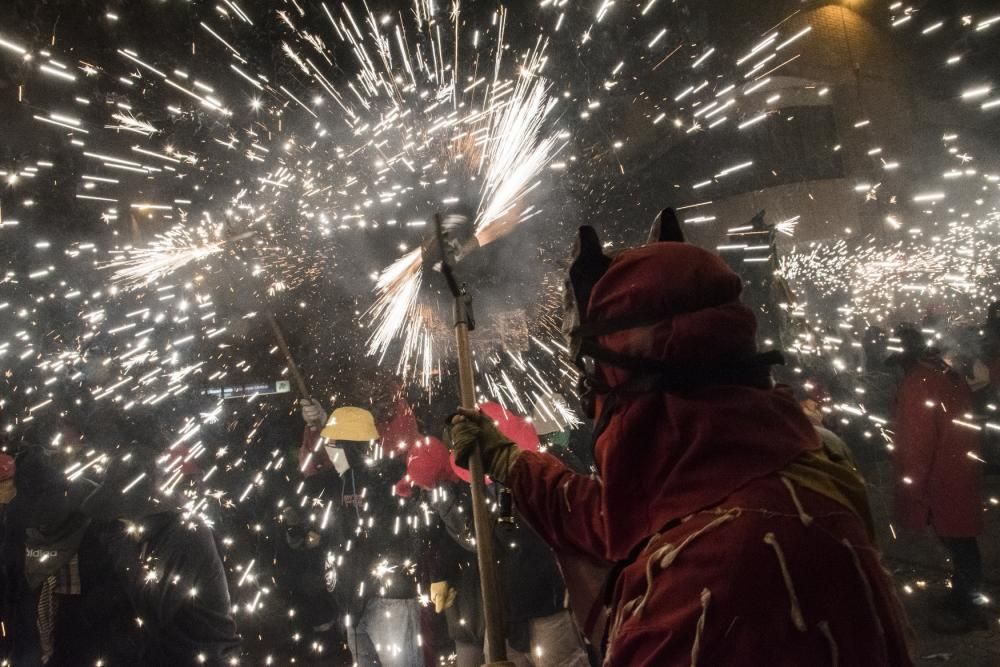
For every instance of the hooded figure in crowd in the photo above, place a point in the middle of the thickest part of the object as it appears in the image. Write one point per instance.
(109, 572)
(938, 483)
(728, 533)
(49, 605)
(169, 567)
(991, 344)
(308, 579)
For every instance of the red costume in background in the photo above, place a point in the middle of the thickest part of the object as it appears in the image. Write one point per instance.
(937, 483)
(724, 559)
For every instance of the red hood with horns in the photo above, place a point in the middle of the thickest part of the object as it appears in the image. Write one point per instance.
(664, 456)
(717, 585)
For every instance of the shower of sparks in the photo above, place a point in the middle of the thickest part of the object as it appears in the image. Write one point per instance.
(138, 267)
(956, 269)
(336, 149)
(483, 144)
(396, 313)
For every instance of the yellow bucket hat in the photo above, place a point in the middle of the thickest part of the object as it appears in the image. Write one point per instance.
(355, 424)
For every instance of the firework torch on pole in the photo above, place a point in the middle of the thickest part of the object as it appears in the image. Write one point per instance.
(293, 368)
(276, 330)
(496, 641)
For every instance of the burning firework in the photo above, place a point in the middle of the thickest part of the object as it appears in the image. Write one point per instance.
(491, 130)
(136, 268)
(338, 142)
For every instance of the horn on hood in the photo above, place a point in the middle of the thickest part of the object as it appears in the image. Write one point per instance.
(589, 265)
(666, 227)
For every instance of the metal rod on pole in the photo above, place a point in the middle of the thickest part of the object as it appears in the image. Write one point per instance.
(496, 640)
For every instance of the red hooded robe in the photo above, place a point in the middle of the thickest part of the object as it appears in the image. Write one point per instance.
(937, 482)
(735, 566)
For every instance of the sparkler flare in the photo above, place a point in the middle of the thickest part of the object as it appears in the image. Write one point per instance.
(136, 268)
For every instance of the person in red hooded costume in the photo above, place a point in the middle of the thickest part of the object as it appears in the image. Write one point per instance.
(938, 483)
(729, 534)
(991, 345)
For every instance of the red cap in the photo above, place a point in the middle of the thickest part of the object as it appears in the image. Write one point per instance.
(7, 466)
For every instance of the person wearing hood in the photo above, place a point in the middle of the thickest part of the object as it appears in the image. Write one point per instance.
(351, 476)
(725, 532)
(991, 344)
(67, 611)
(938, 482)
(305, 575)
(169, 567)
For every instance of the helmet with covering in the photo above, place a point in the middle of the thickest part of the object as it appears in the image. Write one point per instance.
(352, 424)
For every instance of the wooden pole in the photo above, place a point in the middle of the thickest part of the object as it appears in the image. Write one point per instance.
(293, 368)
(493, 608)
(496, 640)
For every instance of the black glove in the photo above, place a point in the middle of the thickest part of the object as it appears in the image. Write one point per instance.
(471, 428)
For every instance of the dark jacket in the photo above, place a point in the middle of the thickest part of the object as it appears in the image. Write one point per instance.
(529, 577)
(99, 623)
(376, 548)
(93, 618)
(20, 641)
(180, 620)
(300, 571)
(41, 534)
